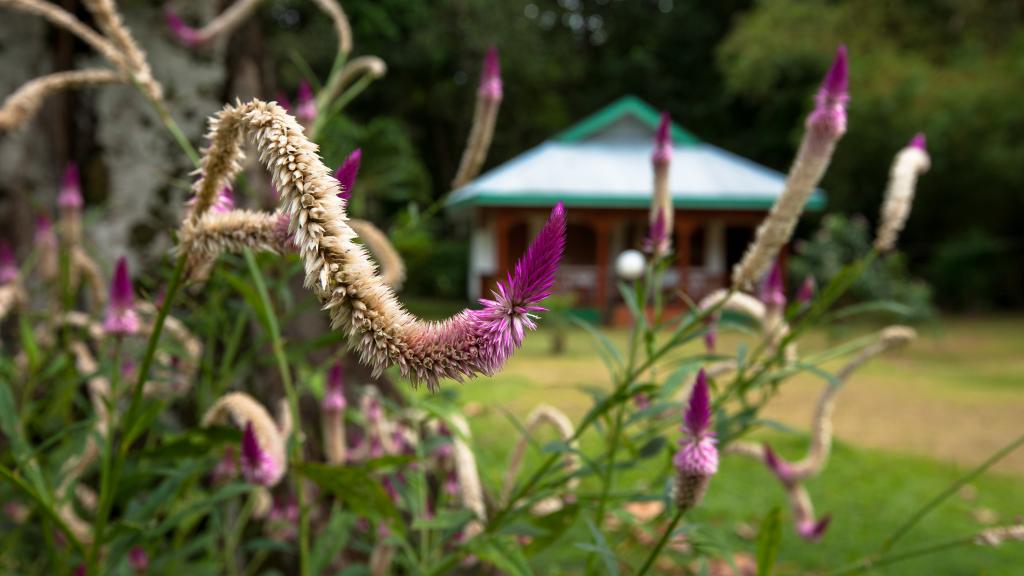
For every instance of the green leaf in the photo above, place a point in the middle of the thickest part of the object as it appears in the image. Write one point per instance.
(502, 553)
(28, 341)
(600, 546)
(610, 355)
(10, 425)
(768, 539)
(355, 487)
(193, 443)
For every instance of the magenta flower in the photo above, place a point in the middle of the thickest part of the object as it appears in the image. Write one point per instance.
(283, 519)
(121, 319)
(8, 265)
(44, 236)
(710, 334)
(224, 202)
(663, 142)
(347, 172)
(782, 469)
(505, 319)
(773, 290)
(226, 468)
(70, 197)
(657, 235)
(451, 483)
(696, 461)
(490, 76)
(284, 102)
(806, 292)
(813, 531)
(919, 141)
(641, 401)
(305, 103)
(257, 465)
(185, 35)
(138, 559)
(334, 396)
(829, 115)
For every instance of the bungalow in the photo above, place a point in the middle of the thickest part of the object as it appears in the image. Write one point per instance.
(601, 169)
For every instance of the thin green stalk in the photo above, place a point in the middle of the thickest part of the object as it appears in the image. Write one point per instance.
(235, 536)
(295, 442)
(952, 489)
(106, 501)
(878, 561)
(661, 542)
(45, 505)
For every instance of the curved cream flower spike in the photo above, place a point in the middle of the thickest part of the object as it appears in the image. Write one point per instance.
(824, 127)
(773, 325)
(541, 415)
(909, 164)
(370, 66)
(485, 116)
(264, 460)
(390, 263)
(471, 493)
(109, 21)
(341, 274)
(22, 105)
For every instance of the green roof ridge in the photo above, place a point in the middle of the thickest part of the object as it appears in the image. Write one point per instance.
(626, 105)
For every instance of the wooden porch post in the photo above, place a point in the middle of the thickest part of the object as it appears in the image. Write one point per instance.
(602, 229)
(684, 230)
(502, 223)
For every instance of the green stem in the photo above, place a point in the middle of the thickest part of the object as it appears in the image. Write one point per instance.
(233, 538)
(877, 561)
(952, 489)
(107, 469)
(295, 442)
(661, 542)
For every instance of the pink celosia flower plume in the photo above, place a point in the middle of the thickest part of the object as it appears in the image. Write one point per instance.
(773, 291)
(334, 396)
(121, 319)
(490, 76)
(806, 292)
(138, 559)
(710, 334)
(829, 115)
(185, 35)
(347, 172)
(782, 469)
(696, 461)
(811, 530)
(663, 141)
(657, 235)
(257, 465)
(305, 103)
(70, 197)
(919, 141)
(8, 265)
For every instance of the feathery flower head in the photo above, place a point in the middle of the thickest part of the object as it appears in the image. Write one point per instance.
(305, 103)
(829, 115)
(138, 559)
(347, 172)
(806, 292)
(70, 197)
(813, 531)
(696, 461)
(8, 265)
(663, 142)
(773, 291)
(657, 234)
(185, 35)
(334, 396)
(490, 76)
(782, 469)
(919, 141)
(257, 465)
(121, 319)
(504, 319)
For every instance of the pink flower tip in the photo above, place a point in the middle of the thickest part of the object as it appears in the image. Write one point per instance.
(711, 337)
(773, 291)
(698, 411)
(829, 115)
(283, 101)
(663, 141)
(919, 141)
(8, 264)
(347, 172)
(490, 76)
(813, 531)
(138, 559)
(837, 80)
(70, 197)
(782, 469)
(806, 292)
(257, 466)
(185, 35)
(305, 103)
(121, 319)
(657, 235)
(334, 396)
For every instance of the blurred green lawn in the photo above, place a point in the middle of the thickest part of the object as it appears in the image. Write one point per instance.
(906, 426)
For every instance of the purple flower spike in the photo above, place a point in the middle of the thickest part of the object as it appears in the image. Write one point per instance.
(657, 235)
(696, 461)
(773, 291)
(663, 142)
(782, 469)
(257, 466)
(504, 319)
(70, 197)
(225, 200)
(121, 319)
(813, 531)
(919, 141)
(8, 265)
(334, 397)
(711, 336)
(185, 35)
(138, 559)
(44, 236)
(698, 413)
(347, 172)
(305, 103)
(829, 115)
(490, 76)
(807, 290)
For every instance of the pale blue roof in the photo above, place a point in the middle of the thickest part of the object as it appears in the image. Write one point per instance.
(605, 161)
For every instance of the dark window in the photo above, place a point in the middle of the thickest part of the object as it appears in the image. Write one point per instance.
(697, 247)
(736, 240)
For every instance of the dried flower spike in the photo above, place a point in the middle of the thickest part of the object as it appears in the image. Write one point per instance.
(121, 319)
(70, 197)
(485, 115)
(185, 35)
(347, 172)
(696, 461)
(661, 202)
(490, 76)
(263, 458)
(909, 164)
(257, 465)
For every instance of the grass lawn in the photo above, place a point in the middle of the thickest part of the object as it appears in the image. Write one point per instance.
(906, 426)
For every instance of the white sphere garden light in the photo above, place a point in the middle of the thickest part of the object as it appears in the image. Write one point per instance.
(630, 265)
